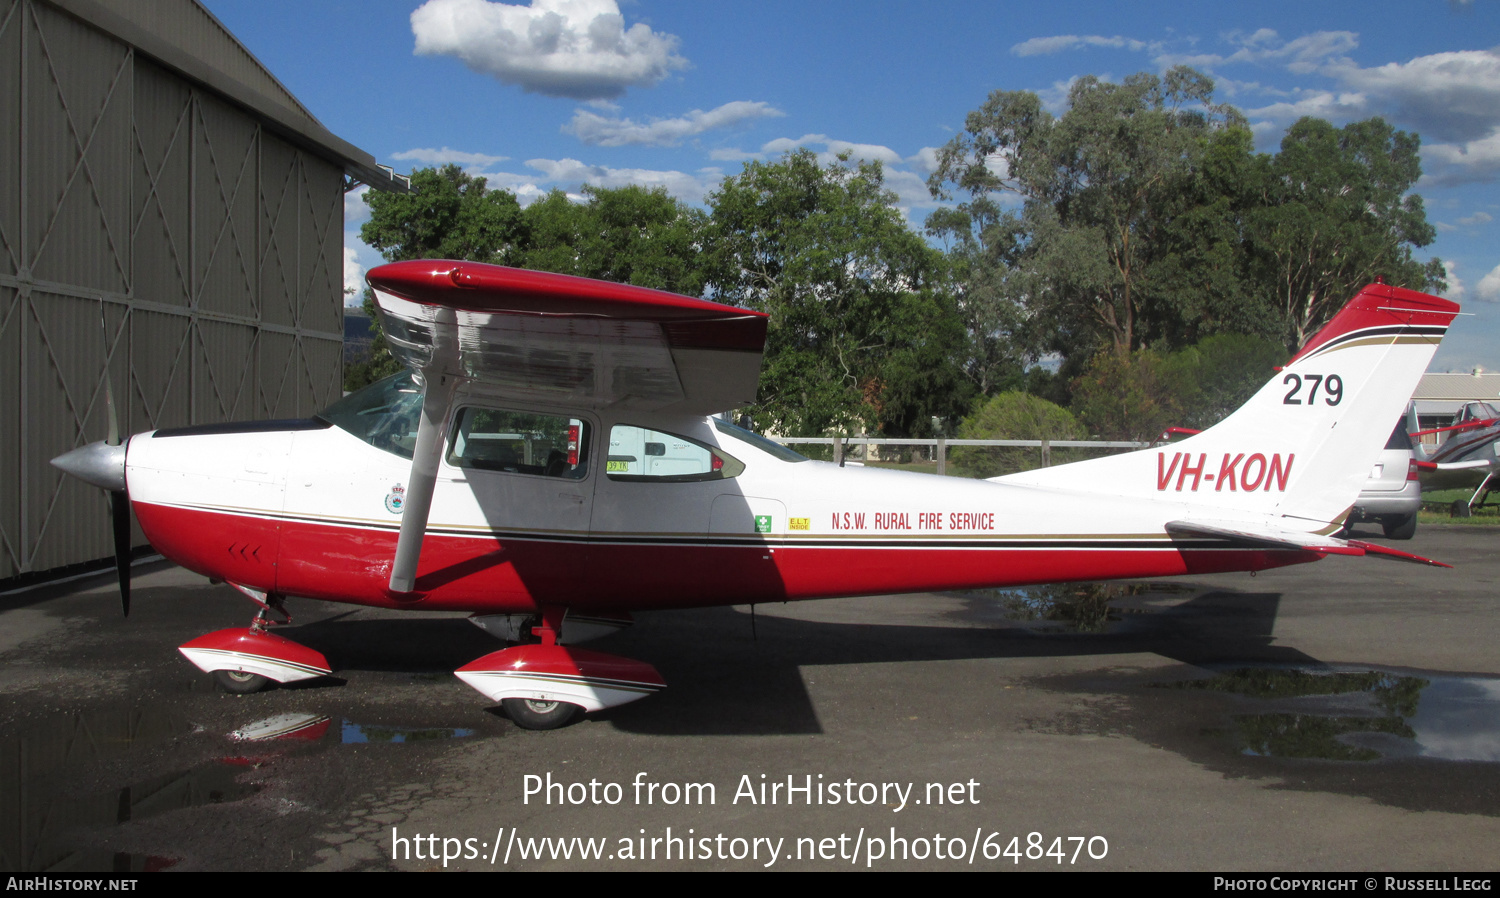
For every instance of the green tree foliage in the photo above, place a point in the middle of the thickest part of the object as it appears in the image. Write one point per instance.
(628, 235)
(449, 214)
(863, 334)
(1130, 395)
(1137, 395)
(1097, 184)
(1226, 370)
(1334, 213)
(1011, 416)
(1147, 219)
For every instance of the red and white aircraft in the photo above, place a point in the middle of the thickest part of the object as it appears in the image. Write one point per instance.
(549, 465)
(1467, 453)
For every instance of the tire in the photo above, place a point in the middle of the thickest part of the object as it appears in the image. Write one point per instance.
(240, 682)
(529, 714)
(1400, 528)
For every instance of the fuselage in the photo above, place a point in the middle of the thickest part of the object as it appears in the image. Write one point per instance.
(638, 511)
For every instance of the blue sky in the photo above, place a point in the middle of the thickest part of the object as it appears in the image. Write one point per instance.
(560, 93)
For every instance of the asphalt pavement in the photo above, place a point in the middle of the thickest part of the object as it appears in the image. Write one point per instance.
(1343, 715)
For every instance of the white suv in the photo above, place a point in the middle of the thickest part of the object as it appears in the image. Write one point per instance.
(1393, 494)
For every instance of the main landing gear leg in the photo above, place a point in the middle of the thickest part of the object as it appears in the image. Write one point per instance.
(544, 685)
(542, 714)
(247, 660)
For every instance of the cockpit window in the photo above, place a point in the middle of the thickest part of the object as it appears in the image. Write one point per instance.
(494, 439)
(638, 453)
(770, 447)
(385, 414)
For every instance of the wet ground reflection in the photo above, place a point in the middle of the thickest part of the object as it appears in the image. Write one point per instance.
(1362, 715)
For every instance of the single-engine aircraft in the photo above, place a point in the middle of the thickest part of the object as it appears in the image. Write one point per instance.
(1466, 452)
(548, 464)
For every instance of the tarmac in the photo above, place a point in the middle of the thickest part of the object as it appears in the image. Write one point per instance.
(1337, 716)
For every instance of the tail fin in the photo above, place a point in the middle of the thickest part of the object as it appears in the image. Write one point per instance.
(1302, 447)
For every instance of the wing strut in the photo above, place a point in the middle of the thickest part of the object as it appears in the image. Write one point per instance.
(438, 387)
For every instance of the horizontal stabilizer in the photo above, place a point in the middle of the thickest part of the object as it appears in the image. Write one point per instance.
(1239, 536)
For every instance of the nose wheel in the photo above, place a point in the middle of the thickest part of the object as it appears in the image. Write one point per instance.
(531, 714)
(240, 682)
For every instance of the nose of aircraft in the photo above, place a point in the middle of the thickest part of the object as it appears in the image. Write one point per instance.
(98, 463)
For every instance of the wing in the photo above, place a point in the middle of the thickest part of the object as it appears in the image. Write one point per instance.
(551, 338)
(569, 340)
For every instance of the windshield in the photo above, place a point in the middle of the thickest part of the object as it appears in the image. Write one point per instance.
(767, 446)
(384, 414)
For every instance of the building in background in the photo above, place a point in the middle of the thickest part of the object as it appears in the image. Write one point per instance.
(1441, 396)
(171, 217)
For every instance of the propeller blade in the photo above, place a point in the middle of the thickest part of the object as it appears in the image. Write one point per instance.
(119, 510)
(113, 439)
(119, 500)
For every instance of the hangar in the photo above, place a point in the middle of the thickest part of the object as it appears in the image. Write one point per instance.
(170, 215)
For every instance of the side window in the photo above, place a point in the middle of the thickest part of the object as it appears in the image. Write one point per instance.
(493, 439)
(638, 453)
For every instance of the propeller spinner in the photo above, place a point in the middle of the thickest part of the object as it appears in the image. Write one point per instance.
(103, 465)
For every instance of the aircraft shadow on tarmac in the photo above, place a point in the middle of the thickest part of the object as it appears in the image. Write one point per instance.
(728, 676)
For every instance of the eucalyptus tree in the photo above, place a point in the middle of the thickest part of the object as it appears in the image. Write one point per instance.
(1098, 190)
(1335, 211)
(863, 333)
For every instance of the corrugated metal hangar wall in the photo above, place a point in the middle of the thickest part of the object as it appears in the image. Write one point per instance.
(152, 229)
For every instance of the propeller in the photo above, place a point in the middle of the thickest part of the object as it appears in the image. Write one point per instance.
(119, 501)
(103, 465)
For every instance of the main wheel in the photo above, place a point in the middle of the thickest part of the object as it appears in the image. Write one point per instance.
(240, 682)
(1400, 528)
(530, 714)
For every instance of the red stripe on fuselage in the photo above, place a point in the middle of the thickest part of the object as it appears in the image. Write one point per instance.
(491, 574)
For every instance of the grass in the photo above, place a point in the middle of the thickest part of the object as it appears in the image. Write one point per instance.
(1436, 509)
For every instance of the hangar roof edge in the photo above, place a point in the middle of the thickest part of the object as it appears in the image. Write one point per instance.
(166, 36)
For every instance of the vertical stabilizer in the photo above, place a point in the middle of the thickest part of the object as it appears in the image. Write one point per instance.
(1302, 447)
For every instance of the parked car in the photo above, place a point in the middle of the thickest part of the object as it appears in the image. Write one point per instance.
(1393, 494)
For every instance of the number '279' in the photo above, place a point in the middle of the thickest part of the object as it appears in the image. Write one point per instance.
(1333, 389)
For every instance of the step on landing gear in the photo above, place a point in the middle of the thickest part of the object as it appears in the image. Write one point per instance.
(247, 659)
(543, 686)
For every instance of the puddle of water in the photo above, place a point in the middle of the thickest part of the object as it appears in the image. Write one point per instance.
(1364, 715)
(1078, 607)
(290, 727)
(295, 727)
(362, 732)
(39, 821)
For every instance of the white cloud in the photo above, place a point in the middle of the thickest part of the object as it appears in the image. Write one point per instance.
(730, 154)
(471, 161)
(1301, 55)
(1456, 288)
(1452, 97)
(1043, 46)
(1447, 165)
(1489, 286)
(924, 160)
(570, 175)
(562, 48)
(1478, 218)
(597, 130)
(1055, 98)
(858, 152)
(354, 277)
(356, 212)
(1319, 103)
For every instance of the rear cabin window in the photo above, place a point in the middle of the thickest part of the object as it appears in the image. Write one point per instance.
(639, 453)
(491, 439)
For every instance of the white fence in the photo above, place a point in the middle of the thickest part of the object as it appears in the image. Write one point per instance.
(939, 446)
